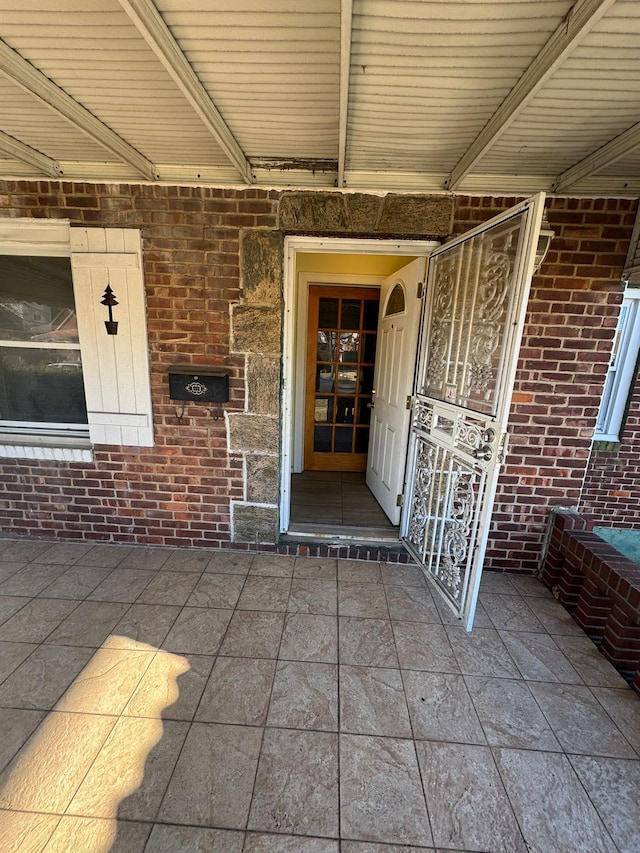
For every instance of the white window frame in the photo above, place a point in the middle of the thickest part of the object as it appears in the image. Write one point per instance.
(115, 368)
(622, 366)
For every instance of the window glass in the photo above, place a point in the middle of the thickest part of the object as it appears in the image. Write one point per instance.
(396, 302)
(40, 366)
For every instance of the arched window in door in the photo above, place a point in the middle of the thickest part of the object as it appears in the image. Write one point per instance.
(396, 302)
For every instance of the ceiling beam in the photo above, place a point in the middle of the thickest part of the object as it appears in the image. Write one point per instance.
(36, 83)
(604, 156)
(579, 20)
(346, 25)
(12, 146)
(156, 33)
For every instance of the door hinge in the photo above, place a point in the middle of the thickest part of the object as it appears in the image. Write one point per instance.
(420, 289)
(409, 401)
(400, 500)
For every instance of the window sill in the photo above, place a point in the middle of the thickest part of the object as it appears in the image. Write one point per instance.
(47, 448)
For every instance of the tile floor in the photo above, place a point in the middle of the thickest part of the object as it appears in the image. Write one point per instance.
(175, 700)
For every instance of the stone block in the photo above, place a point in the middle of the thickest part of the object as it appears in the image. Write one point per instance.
(253, 433)
(363, 211)
(263, 384)
(255, 523)
(261, 265)
(428, 215)
(263, 481)
(313, 213)
(255, 328)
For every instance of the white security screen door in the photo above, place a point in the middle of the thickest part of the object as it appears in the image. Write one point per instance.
(477, 289)
(400, 310)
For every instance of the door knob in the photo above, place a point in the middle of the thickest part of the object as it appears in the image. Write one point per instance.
(484, 453)
(370, 405)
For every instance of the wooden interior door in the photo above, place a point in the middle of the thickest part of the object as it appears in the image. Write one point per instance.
(341, 347)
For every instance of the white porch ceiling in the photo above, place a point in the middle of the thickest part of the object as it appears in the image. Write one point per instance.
(508, 96)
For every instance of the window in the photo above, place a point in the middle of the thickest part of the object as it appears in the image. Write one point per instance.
(65, 383)
(622, 369)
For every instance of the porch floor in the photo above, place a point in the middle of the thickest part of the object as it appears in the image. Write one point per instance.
(189, 700)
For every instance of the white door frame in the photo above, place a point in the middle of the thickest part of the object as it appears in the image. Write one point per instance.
(325, 245)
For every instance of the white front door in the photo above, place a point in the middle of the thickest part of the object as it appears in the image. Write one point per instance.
(398, 324)
(477, 290)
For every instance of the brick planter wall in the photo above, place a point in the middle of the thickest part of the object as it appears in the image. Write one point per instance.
(600, 587)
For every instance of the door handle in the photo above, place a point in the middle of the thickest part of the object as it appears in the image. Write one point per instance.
(484, 453)
(370, 405)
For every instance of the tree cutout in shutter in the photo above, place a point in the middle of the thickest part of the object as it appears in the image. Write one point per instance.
(109, 299)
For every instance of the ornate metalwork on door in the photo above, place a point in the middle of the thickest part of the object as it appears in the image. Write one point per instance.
(470, 312)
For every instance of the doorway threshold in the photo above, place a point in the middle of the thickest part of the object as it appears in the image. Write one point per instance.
(343, 535)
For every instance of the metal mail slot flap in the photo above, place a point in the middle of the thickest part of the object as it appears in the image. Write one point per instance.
(194, 383)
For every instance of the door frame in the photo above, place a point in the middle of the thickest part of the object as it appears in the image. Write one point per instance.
(294, 303)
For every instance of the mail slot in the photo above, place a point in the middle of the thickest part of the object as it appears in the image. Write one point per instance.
(192, 382)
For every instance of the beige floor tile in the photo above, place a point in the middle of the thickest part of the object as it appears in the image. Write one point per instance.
(305, 696)
(192, 839)
(169, 588)
(15, 550)
(401, 574)
(594, 669)
(188, 560)
(424, 646)
(230, 562)
(253, 634)
(311, 638)
(66, 553)
(613, 786)
(448, 617)
(143, 623)
(10, 604)
(89, 625)
(16, 727)
(274, 565)
(296, 789)
(553, 617)
(131, 772)
(320, 568)
(528, 585)
(213, 780)
(77, 582)
(509, 714)
(62, 748)
(496, 582)
(550, 804)
(259, 843)
(359, 571)
(467, 802)
(623, 706)
(36, 620)
(107, 682)
(372, 702)
(12, 655)
(481, 652)
(538, 657)
(107, 556)
(441, 708)
(22, 832)
(265, 593)
(216, 590)
(510, 612)
(94, 835)
(309, 595)
(44, 676)
(367, 642)
(365, 847)
(122, 585)
(381, 794)
(198, 630)
(238, 691)
(31, 580)
(146, 558)
(171, 687)
(366, 600)
(579, 722)
(412, 604)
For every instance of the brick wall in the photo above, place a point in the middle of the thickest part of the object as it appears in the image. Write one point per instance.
(611, 493)
(176, 493)
(571, 319)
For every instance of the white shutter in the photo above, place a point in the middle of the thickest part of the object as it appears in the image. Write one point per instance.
(115, 367)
